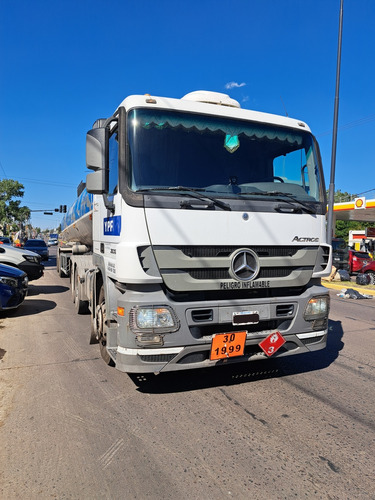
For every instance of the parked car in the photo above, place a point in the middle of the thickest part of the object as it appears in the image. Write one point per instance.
(358, 260)
(27, 261)
(37, 246)
(370, 270)
(13, 287)
(5, 240)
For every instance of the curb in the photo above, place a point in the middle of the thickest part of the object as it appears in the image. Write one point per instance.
(335, 286)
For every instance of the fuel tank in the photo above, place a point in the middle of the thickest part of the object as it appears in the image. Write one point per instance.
(77, 222)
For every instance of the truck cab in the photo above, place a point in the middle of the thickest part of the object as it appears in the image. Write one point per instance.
(207, 220)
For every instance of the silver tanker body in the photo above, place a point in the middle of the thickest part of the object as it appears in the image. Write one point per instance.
(76, 225)
(74, 255)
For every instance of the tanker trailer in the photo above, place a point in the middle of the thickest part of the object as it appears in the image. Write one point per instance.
(74, 255)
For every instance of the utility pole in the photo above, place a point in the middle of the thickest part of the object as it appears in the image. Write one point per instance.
(331, 193)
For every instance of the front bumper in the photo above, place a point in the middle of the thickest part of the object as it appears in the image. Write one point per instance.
(189, 347)
(34, 271)
(193, 357)
(11, 297)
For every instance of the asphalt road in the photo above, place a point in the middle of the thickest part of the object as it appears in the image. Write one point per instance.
(72, 427)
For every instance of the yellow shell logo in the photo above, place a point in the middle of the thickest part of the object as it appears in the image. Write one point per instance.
(360, 203)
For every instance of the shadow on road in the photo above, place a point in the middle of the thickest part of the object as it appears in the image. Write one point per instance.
(28, 308)
(45, 289)
(204, 378)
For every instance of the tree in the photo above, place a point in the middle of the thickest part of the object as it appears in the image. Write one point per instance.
(340, 197)
(11, 212)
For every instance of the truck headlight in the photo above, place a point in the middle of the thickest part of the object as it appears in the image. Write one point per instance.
(317, 308)
(153, 319)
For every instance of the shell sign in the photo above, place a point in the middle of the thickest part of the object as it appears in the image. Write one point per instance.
(360, 203)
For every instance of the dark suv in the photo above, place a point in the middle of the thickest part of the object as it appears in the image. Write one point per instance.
(37, 246)
(340, 254)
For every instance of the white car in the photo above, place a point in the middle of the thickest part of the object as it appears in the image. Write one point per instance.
(52, 242)
(27, 261)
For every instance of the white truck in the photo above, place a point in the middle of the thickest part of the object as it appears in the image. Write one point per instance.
(200, 238)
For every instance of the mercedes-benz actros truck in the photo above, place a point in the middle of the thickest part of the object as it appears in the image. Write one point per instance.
(200, 236)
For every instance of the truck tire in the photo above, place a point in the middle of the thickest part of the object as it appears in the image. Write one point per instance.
(93, 332)
(72, 284)
(81, 306)
(101, 317)
(60, 272)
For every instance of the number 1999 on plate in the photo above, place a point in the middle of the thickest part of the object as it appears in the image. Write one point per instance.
(228, 345)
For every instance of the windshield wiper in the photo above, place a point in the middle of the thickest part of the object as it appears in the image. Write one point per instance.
(289, 198)
(193, 192)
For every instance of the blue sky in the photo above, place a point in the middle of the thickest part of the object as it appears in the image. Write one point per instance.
(65, 63)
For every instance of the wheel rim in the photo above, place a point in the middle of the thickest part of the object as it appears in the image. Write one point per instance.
(75, 288)
(100, 320)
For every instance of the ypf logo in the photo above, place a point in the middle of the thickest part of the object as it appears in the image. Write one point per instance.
(112, 226)
(244, 265)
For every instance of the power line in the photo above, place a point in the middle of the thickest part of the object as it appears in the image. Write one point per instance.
(2, 168)
(369, 191)
(46, 183)
(354, 123)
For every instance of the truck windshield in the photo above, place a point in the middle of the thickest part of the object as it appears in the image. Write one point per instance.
(223, 157)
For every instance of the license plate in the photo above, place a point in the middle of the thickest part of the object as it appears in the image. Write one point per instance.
(228, 345)
(245, 318)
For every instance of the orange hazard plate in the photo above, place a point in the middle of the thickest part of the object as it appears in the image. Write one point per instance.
(228, 345)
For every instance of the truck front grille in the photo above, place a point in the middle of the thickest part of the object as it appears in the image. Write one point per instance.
(223, 274)
(207, 268)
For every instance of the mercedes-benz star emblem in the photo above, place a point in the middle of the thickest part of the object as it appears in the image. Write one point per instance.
(245, 265)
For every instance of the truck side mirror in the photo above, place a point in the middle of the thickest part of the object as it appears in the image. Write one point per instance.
(96, 159)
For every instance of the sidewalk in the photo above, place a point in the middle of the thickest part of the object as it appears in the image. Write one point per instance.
(339, 285)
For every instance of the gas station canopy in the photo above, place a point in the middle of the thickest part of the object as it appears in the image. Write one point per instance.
(358, 209)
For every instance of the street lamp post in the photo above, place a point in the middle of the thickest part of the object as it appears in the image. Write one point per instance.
(331, 192)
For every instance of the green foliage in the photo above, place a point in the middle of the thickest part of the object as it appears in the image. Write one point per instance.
(341, 197)
(343, 227)
(11, 212)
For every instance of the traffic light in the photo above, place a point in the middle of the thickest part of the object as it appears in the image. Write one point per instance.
(62, 209)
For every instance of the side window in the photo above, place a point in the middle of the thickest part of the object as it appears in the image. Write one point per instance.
(113, 163)
(290, 167)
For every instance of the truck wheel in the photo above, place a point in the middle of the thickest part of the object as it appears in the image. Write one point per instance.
(72, 284)
(60, 272)
(80, 305)
(101, 317)
(93, 330)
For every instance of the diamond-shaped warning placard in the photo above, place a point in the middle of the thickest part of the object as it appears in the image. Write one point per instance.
(272, 343)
